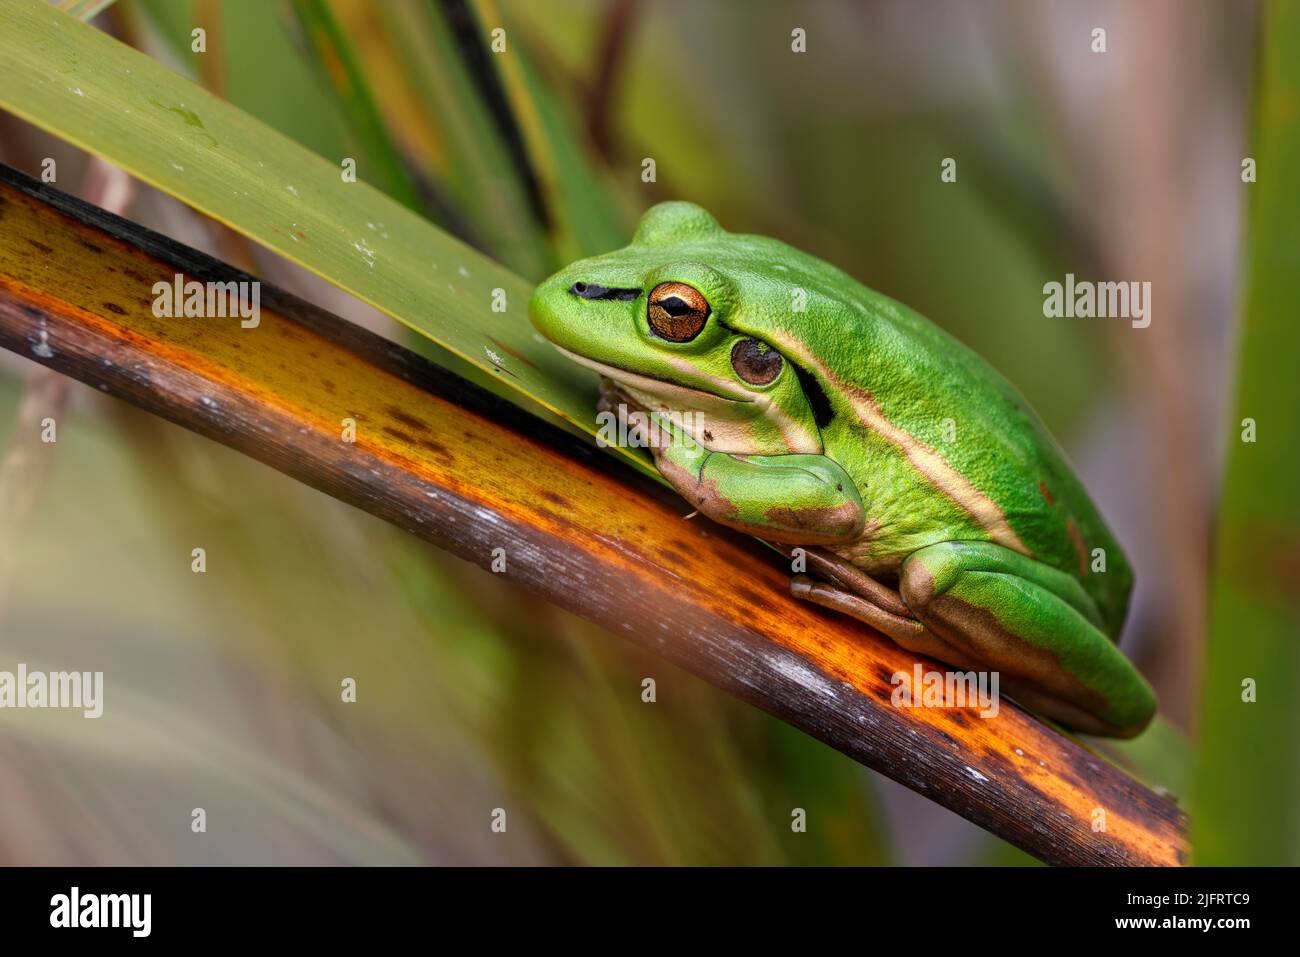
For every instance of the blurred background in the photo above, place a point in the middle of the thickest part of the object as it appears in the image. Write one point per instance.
(223, 688)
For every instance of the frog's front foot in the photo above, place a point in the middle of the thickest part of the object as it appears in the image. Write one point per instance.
(803, 499)
(613, 400)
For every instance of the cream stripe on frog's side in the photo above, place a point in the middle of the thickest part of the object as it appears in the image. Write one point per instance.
(924, 459)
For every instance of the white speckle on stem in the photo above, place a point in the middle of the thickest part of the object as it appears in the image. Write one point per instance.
(41, 347)
(488, 517)
(976, 775)
(794, 670)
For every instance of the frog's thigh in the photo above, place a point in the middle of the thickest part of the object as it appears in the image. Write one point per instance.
(1022, 618)
(804, 499)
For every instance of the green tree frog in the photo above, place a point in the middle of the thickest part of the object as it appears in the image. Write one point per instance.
(929, 499)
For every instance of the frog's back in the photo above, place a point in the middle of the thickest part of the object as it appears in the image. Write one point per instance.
(915, 413)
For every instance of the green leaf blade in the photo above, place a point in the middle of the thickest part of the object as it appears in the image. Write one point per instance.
(1247, 787)
(112, 101)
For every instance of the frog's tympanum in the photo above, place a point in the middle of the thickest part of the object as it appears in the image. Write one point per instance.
(932, 502)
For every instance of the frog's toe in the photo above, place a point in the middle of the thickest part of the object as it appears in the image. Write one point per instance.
(866, 607)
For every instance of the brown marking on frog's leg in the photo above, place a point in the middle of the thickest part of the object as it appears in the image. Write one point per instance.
(1080, 546)
(806, 525)
(1032, 674)
(1058, 709)
(821, 525)
(701, 493)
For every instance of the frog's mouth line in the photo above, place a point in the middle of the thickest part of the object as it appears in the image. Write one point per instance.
(648, 383)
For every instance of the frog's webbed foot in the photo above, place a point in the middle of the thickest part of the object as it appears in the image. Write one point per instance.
(795, 497)
(843, 587)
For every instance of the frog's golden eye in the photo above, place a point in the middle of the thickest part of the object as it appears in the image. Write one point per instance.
(676, 311)
(756, 362)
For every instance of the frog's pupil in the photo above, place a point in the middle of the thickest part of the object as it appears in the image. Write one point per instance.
(675, 306)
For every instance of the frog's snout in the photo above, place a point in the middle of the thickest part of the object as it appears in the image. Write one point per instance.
(565, 306)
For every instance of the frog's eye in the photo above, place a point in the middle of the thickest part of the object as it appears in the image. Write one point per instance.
(676, 311)
(756, 362)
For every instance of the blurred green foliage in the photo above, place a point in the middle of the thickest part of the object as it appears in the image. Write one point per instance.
(1247, 788)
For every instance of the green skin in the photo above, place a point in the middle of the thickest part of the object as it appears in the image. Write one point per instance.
(932, 501)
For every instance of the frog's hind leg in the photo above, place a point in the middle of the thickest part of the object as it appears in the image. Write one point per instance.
(847, 589)
(1033, 624)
